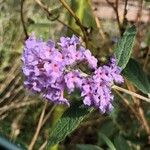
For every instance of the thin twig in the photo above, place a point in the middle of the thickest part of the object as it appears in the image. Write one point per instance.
(139, 13)
(10, 75)
(43, 145)
(69, 27)
(15, 106)
(139, 110)
(131, 88)
(38, 128)
(16, 123)
(131, 93)
(144, 121)
(11, 93)
(22, 19)
(100, 28)
(124, 20)
(146, 59)
(78, 22)
(43, 122)
(125, 11)
(41, 125)
(117, 15)
(3, 116)
(46, 9)
(48, 115)
(125, 91)
(4, 93)
(128, 104)
(115, 8)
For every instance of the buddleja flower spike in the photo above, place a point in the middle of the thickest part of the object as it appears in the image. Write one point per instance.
(46, 72)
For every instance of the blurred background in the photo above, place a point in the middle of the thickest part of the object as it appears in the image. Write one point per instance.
(127, 127)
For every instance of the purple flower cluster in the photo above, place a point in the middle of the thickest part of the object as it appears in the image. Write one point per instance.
(49, 69)
(96, 89)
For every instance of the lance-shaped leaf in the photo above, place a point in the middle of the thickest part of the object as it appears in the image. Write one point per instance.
(136, 75)
(107, 141)
(124, 47)
(69, 121)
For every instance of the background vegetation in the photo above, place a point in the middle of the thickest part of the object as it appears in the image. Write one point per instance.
(27, 120)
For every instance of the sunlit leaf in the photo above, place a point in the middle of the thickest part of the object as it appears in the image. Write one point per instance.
(124, 47)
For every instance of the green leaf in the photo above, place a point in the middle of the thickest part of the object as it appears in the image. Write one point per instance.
(109, 129)
(84, 13)
(121, 143)
(107, 141)
(69, 121)
(136, 75)
(87, 147)
(124, 47)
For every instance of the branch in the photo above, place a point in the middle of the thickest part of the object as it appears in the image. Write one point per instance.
(42, 147)
(138, 108)
(22, 19)
(38, 128)
(125, 11)
(45, 8)
(115, 87)
(115, 8)
(128, 105)
(48, 115)
(139, 13)
(15, 105)
(131, 93)
(146, 59)
(78, 22)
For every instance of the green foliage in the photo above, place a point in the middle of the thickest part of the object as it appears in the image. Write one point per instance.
(69, 121)
(108, 128)
(83, 10)
(84, 13)
(124, 47)
(136, 75)
(107, 141)
(120, 130)
(87, 147)
(121, 143)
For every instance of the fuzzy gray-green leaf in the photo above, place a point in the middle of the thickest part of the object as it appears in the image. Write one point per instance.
(69, 121)
(136, 75)
(124, 47)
